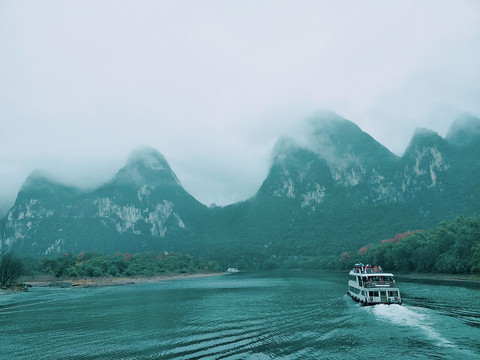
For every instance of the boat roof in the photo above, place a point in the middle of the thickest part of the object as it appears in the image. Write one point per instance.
(371, 274)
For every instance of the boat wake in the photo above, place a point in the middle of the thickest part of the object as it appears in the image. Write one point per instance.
(409, 318)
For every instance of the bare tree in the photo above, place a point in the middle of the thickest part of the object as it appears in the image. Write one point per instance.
(10, 269)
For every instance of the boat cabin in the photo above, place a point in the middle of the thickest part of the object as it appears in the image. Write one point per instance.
(370, 285)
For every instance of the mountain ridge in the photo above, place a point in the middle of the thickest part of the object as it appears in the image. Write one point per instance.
(332, 193)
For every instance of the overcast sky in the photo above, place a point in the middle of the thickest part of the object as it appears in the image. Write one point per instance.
(213, 84)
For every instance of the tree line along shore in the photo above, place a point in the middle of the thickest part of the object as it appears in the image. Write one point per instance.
(449, 251)
(96, 269)
(452, 248)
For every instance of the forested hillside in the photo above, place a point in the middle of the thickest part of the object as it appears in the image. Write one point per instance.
(334, 191)
(453, 247)
(119, 264)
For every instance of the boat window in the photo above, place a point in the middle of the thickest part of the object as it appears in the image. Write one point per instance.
(373, 293)
(393, 293)
(354, 290)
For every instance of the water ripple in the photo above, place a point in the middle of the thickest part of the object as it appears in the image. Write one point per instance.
(298, 315)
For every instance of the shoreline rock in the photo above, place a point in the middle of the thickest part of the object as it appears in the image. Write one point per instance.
(110, 281)
(60, 284)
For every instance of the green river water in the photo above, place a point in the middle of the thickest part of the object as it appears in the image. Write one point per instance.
(264, 315)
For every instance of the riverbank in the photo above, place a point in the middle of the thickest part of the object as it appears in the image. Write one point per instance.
(454, 278)
(106, 281)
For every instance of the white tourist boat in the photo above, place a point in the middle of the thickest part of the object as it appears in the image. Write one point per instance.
(369, 285)
(232, 270)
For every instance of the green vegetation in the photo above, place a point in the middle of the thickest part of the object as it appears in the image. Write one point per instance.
(451, 248)
(120, 264)
(10, 269)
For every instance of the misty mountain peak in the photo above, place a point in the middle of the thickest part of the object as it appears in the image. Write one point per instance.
(149, 157)
(339, 140)
(464, 130)
(38, 179)
(284, 147)
(424, 138)
(40, 184)
(424, 133)
(147, 166)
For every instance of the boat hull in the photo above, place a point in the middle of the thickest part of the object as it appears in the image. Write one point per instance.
(364, 302)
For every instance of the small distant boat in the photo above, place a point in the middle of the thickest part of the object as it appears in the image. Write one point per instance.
(232, 270)
(369, 285)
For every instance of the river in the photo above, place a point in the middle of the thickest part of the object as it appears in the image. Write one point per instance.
(264, 315)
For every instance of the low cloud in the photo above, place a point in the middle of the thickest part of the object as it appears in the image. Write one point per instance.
(212, 85)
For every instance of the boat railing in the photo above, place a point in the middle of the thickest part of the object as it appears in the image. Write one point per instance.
(367, 270)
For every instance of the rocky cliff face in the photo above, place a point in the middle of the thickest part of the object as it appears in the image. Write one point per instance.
(338, 159)
(343, 162)
(343, 189)
(336, 190)
(143, 207)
